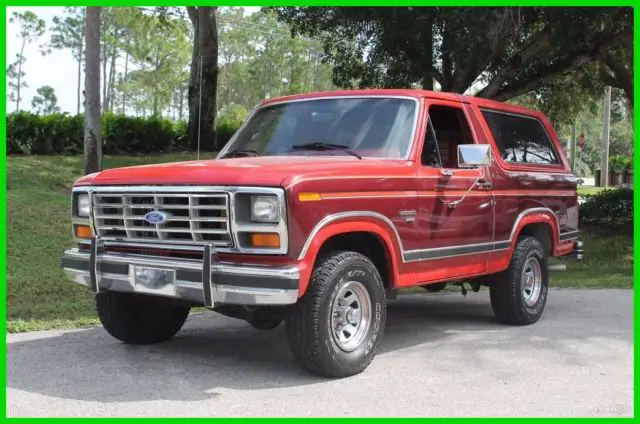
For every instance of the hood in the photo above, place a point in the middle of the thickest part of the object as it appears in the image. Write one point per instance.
(271, 171)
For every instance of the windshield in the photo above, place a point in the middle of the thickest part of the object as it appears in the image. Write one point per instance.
(370, 127)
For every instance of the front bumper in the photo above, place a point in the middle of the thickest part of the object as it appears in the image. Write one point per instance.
(207, 281)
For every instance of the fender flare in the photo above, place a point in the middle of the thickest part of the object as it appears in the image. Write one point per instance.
(537, 216)
(350, 222)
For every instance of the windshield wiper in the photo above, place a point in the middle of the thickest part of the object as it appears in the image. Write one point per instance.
(327, 146)
(240, 152)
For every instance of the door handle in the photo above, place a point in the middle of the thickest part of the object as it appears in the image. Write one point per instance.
(484, 185)
(447, 172)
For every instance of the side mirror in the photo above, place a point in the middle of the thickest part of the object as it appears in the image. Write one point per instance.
(474, 155)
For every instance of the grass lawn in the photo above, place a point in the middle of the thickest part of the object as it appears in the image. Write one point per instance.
(582, 191)
(38, 229)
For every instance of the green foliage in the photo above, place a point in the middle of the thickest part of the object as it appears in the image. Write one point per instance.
(67, 32)
(620, 162)
(15, 79)
(259, 59)
(160, 62)
(511, 51)
(590, 122)
(229, 119)
(31, 29)
(45, 101)
(125, 134)
(28, 133)
(609, 206)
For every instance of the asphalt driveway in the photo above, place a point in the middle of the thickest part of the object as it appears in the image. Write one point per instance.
(441, 355)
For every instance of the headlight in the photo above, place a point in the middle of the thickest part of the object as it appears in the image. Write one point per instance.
(264, 209)
(82, 205)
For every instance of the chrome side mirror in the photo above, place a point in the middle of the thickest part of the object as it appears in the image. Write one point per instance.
(474, 155)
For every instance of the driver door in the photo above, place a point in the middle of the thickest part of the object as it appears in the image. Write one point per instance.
(455, 216)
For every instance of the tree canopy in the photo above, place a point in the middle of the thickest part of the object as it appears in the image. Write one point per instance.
(45, 101)
(497, 52)
(31, 29)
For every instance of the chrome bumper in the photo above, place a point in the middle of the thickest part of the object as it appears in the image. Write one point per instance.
(207, 281)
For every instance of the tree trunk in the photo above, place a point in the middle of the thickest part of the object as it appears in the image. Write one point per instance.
(104, 78)
(124, 80)
(79, 89)
(427, 80)
(92, 130)
(112, 78)
(181, 102)
(202, 105)
(80, 51)
(154, 103)
(619, 76)
(24, 40)
(228, 72)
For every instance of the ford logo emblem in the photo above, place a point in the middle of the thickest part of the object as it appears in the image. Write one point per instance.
(155, 217)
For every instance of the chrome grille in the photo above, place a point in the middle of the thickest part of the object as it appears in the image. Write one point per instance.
(192, 218)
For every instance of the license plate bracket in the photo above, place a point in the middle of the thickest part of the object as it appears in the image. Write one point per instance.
(161, 281)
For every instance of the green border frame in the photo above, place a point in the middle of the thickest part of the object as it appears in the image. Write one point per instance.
(3, 209)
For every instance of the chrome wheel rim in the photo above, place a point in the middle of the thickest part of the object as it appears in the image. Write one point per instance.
(531, 282)
(351, 315)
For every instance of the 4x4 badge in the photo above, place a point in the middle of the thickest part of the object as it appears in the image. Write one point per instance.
(408, 215)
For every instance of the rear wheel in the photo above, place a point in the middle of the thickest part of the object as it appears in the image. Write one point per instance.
(140, 319)
(519, 294)
(335, 327)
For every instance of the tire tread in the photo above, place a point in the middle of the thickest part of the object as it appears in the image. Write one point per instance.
(303, 323)
(504, 291)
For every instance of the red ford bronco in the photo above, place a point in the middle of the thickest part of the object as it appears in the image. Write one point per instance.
(319, 209)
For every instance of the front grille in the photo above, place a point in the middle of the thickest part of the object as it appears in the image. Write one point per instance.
(192, 218)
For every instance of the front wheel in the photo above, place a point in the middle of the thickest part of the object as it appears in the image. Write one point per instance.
(335, 327)
(519, 294)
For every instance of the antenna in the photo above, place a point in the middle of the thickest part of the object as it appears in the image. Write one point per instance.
(200, 109)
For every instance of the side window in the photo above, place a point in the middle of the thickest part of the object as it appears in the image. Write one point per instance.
(521, 139)
(447, 128)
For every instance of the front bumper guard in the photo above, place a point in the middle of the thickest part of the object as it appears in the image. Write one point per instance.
(207, 281)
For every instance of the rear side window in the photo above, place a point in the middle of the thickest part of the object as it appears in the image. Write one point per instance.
(521, 139)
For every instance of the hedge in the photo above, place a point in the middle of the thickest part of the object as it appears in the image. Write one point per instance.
(610, 206)
(63, 134)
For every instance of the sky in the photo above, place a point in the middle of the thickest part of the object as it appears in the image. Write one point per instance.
(57, 69)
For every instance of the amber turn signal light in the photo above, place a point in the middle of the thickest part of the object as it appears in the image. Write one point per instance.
(82, 231)
(265, 240)
(309, 197)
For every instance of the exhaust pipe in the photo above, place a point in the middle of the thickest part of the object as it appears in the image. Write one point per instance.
(557, 267)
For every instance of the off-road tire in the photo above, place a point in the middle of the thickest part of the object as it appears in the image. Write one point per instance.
(140, 319)
(506, 289)
(309, 325)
